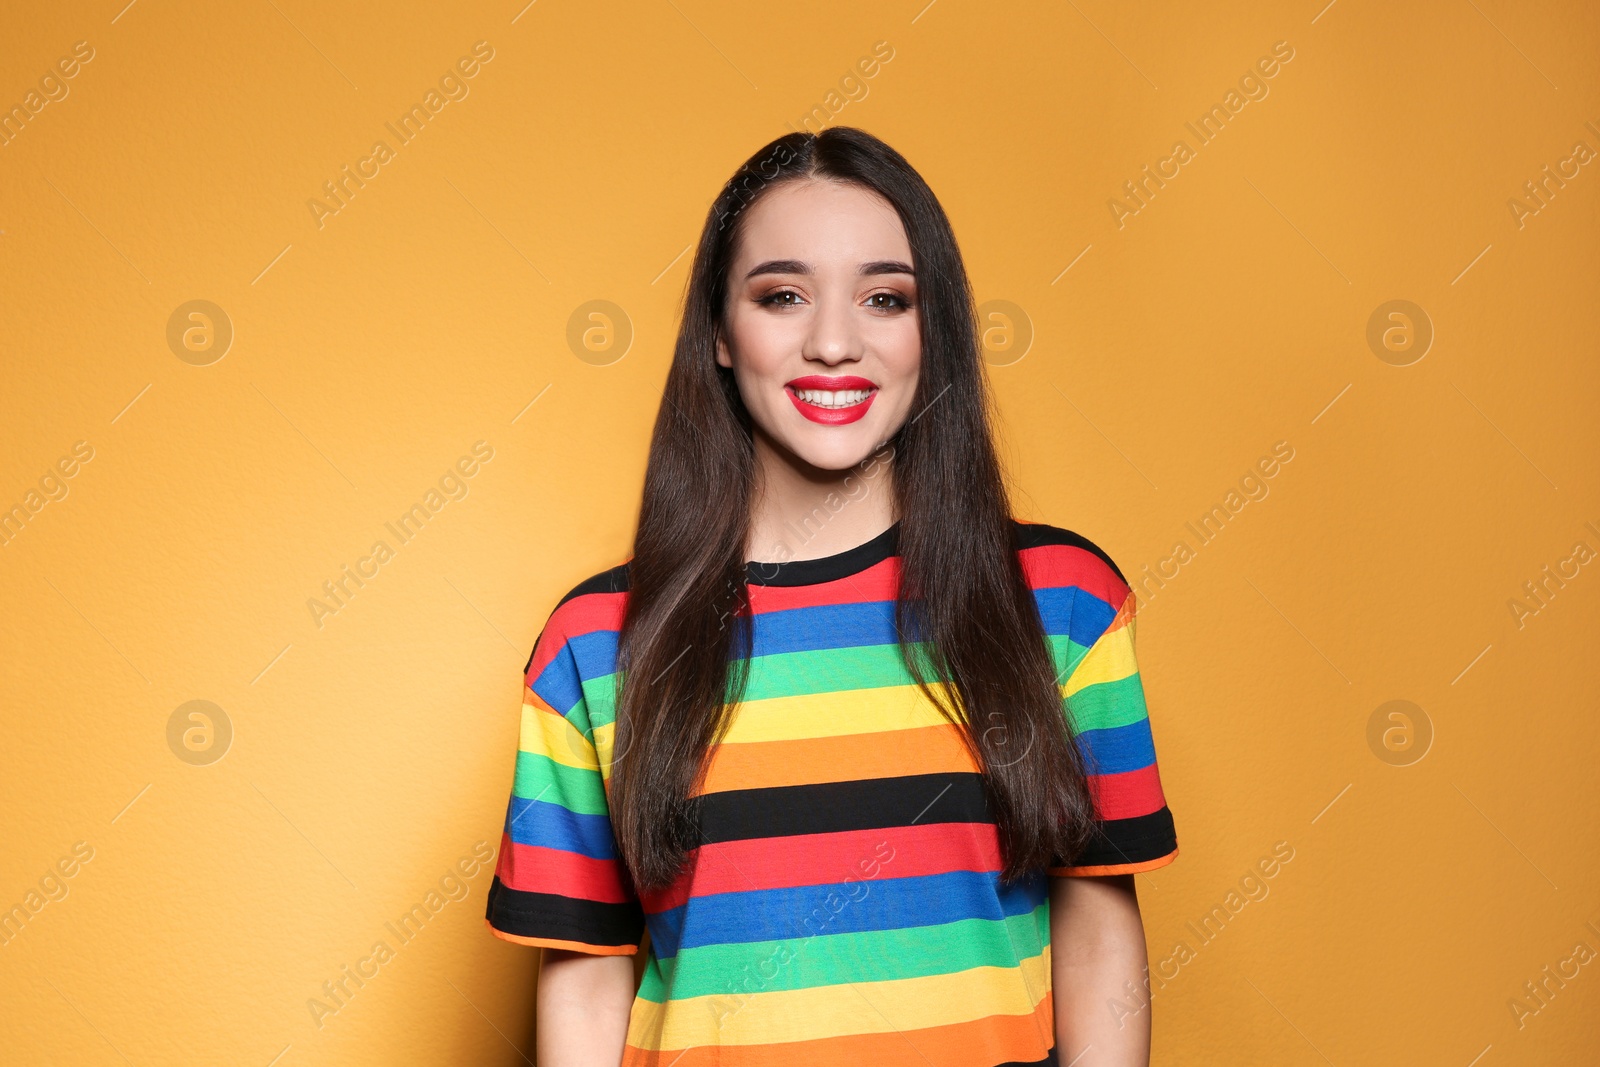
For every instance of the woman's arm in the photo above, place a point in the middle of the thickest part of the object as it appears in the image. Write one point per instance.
(581, 1009)
(1096, 952)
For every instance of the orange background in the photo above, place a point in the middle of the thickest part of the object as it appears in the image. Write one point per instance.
(371, 752)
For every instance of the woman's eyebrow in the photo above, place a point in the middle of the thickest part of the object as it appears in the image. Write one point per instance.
(795, 266)
(779, 266)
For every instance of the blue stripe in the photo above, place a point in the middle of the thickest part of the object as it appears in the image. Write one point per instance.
(558, 684)
(823, 626)
(1118, 749)
(1065, 610)
(1079, 615)
(546, 825)
(593, 655)
(844, 907)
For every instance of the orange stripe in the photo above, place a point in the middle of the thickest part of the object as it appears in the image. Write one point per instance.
(1115, 868)
(995, 1039)
(570, 946)
(807, 761)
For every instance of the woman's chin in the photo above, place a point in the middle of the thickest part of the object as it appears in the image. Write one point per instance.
(839, 453)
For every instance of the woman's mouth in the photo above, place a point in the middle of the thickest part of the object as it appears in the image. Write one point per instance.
(831, 400)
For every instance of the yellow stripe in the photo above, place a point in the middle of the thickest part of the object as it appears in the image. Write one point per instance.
(842, 1010)
(604, 739)
(545, 733)
(1111, 659)
(853, 711)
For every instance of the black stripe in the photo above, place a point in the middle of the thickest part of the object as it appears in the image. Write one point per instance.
(614, 580)
(1035, 534)
(1144, 837)
(563, 918)
(881, 803)
(870, 804)
(1048, 1061)
(827, 568)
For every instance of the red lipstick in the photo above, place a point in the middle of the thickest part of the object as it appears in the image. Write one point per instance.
(828, 412)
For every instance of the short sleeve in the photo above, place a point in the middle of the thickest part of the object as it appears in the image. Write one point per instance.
(1104, 697)
(559, 881)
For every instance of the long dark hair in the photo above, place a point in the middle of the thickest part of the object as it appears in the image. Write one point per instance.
(965, 613)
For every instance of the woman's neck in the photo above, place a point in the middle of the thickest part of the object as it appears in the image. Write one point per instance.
(803, 512)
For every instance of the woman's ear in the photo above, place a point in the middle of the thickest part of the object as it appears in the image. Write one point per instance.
(724, 358)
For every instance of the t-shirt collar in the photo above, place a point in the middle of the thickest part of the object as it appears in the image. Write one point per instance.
(826, 568)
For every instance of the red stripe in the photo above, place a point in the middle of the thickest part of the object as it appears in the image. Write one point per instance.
(580, 615)
(824, 859)
(877, 582)
(534, 869)
(1055, 566)
(1127, 795)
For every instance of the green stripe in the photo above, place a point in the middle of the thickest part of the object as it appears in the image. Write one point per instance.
(830, 959)
(1066, 654)
(540, 777)
(786, 674)
(826, 670)
(600, 698)
(1107, 704)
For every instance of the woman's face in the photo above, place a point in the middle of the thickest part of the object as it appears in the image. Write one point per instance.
(822, 329)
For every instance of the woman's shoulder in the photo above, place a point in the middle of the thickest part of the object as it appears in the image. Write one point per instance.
(607, 583)
(1054, 556)
(592, 608)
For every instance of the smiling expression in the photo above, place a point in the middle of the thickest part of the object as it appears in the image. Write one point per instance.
(822, 328)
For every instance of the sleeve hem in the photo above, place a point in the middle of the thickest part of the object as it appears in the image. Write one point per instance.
(1114, 868)
(570, 946)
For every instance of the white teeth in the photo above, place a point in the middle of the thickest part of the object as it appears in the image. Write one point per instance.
(833, 398)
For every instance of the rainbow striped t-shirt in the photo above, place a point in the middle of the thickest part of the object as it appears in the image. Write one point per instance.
(843, 904)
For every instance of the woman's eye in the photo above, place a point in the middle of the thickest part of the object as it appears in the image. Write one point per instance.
(895, 300)
(777, 298)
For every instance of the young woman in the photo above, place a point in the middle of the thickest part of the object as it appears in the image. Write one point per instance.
(867, 757)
